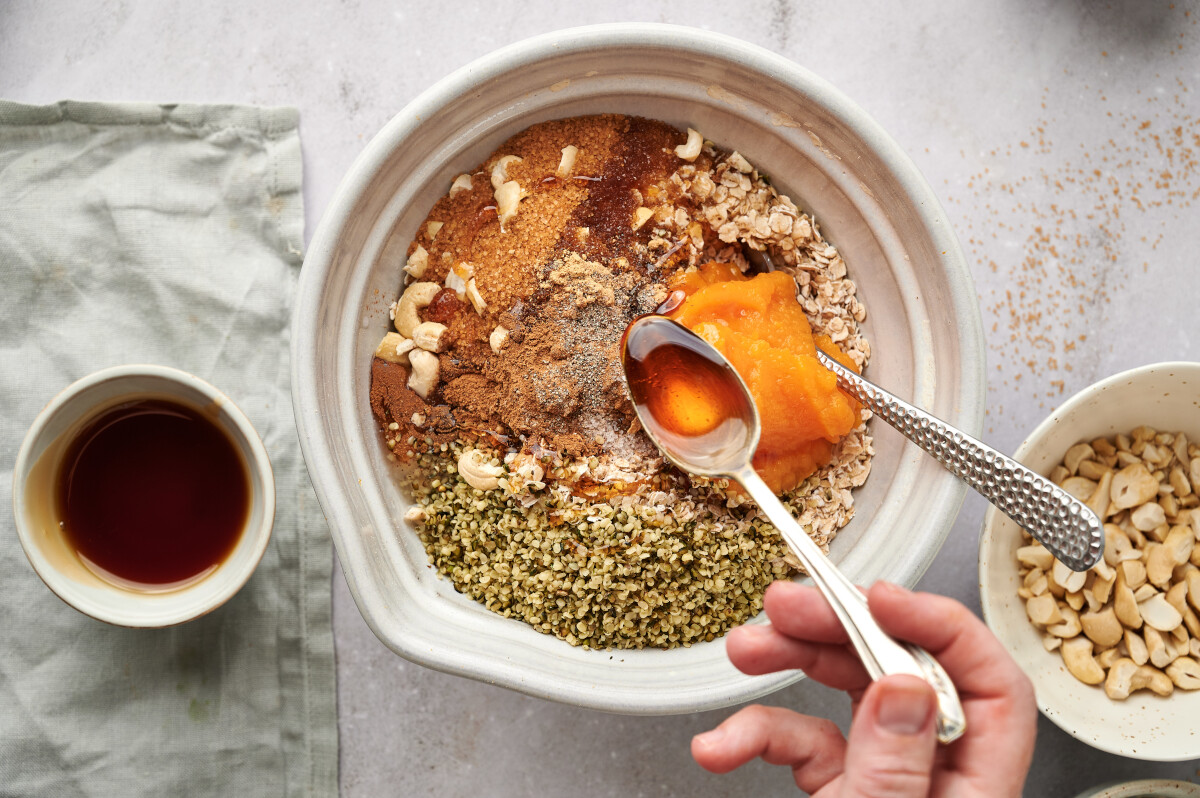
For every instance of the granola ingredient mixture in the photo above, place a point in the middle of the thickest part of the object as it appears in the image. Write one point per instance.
(1130, 623)
(500, 393)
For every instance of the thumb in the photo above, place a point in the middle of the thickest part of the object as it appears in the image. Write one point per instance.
(892, 741)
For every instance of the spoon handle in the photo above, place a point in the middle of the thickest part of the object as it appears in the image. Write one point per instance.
(881, 654)
(1063, 524)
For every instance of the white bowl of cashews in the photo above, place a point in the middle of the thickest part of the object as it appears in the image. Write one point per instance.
(1129, 625)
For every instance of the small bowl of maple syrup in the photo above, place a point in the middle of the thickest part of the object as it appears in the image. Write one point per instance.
(143, 496)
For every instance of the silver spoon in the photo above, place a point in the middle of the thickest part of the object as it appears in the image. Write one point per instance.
(698, 411)
(1065, 525)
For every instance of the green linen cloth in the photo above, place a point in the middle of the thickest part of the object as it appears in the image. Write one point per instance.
(134, 233)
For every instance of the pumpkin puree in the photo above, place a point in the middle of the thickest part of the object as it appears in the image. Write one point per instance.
(758, 325)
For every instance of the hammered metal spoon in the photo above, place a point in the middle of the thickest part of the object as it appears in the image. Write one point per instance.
(1065, 525)
(695, 407)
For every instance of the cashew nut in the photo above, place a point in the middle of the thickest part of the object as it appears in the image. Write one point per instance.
(416, 515)
(394, 348)
(1148, 516)
(1068, 580)
(1076, 455)
(433, 228)
(1077, 656)
(430, 336)
(508, 199)
(1079, 487)
(498, 339)
(1119, 683)
(415, 297)
(1069, 627)
(425, 369)
(1099, 500)
(1136, 647)
(1126, 606)
(1153, 678)
(1180, 542)
(1133, 573)
(1157, 612)
(1162, 651)
(1159, 563)
(418, 262)
(1037, 556)
(1133, 485)
(1043, 610)
(478, 470)
(456, 278)
(461, 183)
(640, 216)
(475, 297)
(500, 170)
(739, 162)
(690, 149)
(567, 162)
(1102, 628)
(1185, 673)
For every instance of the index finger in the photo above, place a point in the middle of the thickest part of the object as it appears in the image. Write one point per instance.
(973, 657)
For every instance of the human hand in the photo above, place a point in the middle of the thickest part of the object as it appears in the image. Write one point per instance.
(892, 748)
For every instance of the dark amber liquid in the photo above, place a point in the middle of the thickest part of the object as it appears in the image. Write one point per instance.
(693, 399)
(152, 493)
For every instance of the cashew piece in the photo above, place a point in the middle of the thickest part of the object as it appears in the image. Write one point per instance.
(477, 469)
(508, 199)
(1079, 487)
(415, 297)
(1076, 455)
(1102, 628)
(498, 339)
(425, 369)
(690, 149)
(394, 348)
(1185, 673)
(456, 278)
(418, 262)
(641, 215)
(1136, 647)
(1119, 683)
(1099, 500)
(461, 183)
(430, 336)
(1077, 656)
(416, 515)
(1037, 556)
(567, 162)
(1153, 678)
(1157, 612)
(1133, 485)
(475, 297)
(1068, 580)
(500, 170)
(1043, 610)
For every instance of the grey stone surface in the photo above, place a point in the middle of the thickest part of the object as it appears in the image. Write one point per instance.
(1028, 117)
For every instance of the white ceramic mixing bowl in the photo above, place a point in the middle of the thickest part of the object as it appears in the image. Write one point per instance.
(818, 147)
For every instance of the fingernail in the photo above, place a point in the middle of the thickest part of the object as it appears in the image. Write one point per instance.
(905, 708)
(711, 738)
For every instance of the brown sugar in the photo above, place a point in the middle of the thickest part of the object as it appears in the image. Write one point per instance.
(559, 376)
